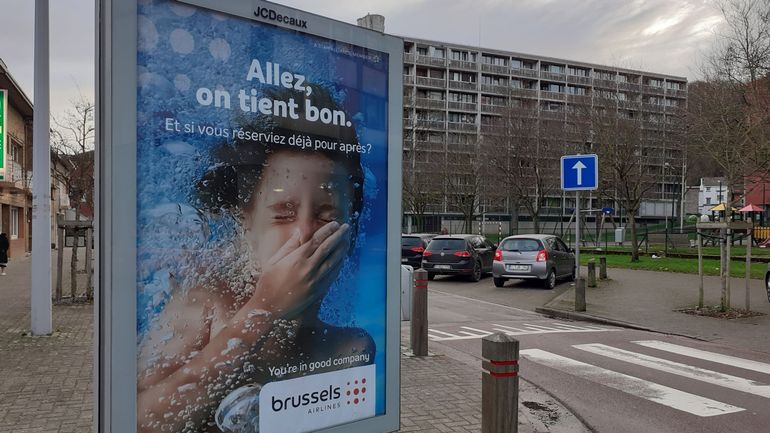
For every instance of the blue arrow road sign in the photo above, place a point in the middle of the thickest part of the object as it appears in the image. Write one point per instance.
(579, 172)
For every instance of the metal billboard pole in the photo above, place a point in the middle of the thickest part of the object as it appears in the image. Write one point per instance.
(41, 184)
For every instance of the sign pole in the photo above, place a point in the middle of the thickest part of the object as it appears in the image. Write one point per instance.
(577, 235)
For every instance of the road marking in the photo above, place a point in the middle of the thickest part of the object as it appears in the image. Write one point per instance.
(480, 331)
(651, 391)
(433, 334)
(679, 369)
(519, 310)
(734, 361)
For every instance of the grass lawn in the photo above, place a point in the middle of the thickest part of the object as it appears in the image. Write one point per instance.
(686, 266)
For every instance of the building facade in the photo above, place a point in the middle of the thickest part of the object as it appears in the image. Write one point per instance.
(15, 187)
(712, 191)
(456, 97)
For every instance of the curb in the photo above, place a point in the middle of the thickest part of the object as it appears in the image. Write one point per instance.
(584, 317)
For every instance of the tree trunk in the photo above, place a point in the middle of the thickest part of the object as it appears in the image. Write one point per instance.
(631, 218)
(536, 222)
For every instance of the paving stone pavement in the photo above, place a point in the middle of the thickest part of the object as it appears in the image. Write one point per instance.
(46, 383)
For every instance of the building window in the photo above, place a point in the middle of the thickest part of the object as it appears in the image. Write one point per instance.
(14, 222)
(708, 189)
(438, 53)
(604, 75)
(460, 55)
(574, 90)
(469, 98)
(462, 76)
(708, 201)
(422, 51)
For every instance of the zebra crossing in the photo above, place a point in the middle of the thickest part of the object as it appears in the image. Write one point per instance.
(469, 333)
(656, 392)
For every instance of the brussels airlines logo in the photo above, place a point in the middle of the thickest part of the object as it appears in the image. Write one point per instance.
(317, 401)
(306, 399)
(272, 15)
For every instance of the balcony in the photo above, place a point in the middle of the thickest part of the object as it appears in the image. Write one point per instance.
(557, 96)
(429, 146)
(579, 99)
(463, 85)
(607, 84)
(431, 61)
(409, 99)
(430, 124)
(524, 72)
(498, 69)
(463, 106)
(463, 64)
(408, 123)
(527, 93)
(495, 109)
(408, 144)
(461, 126)
(408, 80)
(497, 89)
(430, 103)
(628, 86)
(431, 82)
(652, 90)
(553, 76)
(676, 93)
(653, 107)
(578, 79)
(630, 105)
(408, 57)
(604, 102)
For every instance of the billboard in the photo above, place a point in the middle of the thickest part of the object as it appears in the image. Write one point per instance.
(265, 215)
(3, 133)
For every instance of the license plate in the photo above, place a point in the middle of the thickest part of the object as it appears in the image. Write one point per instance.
(442, 267)
(517, 268)
(404, 260)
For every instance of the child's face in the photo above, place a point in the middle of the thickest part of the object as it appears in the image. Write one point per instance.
(297, 192)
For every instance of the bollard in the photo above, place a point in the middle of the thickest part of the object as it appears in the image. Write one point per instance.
(592, 273)
(499, 384)
(580, 294)
(419, 323)
(602, 268)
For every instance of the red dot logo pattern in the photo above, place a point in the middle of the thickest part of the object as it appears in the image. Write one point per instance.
(358, 391)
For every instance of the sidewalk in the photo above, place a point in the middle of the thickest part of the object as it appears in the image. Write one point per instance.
(46, 382)
(649, 299)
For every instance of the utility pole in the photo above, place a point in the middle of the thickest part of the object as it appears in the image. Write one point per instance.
(41, 184)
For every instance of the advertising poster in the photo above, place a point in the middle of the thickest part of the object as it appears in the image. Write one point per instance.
(262, 163)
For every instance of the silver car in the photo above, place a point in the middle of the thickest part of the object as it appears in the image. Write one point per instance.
(528, 257)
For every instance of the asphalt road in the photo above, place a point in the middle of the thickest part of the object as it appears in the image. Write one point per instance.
(616, 380)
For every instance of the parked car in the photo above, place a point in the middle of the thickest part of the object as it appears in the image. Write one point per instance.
(542, 257)
(469, 255)
(412, 247)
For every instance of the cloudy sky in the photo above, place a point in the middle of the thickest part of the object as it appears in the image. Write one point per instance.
(664, 36)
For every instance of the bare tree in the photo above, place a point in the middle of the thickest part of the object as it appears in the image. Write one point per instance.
(628, 170)
(464, 180)
(520, 151)
(742, 51)
(74, 136)
(420, 192)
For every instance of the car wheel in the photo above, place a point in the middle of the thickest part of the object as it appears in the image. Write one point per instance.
(573, 275)
(550, 280)
(476, 274)
(431, 276)
(767, 285)
(499, 282)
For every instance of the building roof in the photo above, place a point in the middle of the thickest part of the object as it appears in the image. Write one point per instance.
(713, 181)
(543, 58)
(16, 96)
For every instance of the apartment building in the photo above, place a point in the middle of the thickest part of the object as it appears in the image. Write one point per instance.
(456, 95)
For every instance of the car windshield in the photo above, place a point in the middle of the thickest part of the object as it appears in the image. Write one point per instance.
(447, 244)
(411, 242)
(523, 245)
